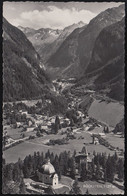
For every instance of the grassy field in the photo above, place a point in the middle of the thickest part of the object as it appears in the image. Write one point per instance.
(94, 187)
(110, 113)
(27, 102)
(16, 133)
(115, 140)
(38, 144)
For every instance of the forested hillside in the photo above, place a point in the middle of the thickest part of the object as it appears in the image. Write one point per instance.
(23, 76)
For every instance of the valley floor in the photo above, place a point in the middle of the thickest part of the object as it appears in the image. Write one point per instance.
(38, 144)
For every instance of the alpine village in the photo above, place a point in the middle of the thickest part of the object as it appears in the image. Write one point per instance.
(63, 107)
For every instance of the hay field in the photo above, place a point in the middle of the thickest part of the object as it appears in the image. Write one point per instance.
(110, 113)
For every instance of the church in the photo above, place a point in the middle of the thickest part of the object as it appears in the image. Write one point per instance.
(46, 174)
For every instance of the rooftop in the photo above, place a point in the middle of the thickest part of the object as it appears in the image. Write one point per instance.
(48, 168)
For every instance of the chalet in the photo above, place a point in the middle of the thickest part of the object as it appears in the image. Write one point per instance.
(23, 112)
(29, 129)
(18, 124)
(96, 141)
(101, 134)
(8, 140)
(44, 127)
(30, 123)
(67, 121)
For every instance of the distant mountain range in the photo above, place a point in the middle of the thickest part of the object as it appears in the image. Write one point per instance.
(93, 53)
(23, 76)
(46, 41)
(73, 56)
(106, 68)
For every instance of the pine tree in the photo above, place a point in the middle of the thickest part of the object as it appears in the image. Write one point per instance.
(97, 173)
(120, 169)
(57, 166)
(110, 169)
(93, 166)
(22, 187)
(47, 154)
(75, 190)
(71, 122)
(87, 192)
(74, 153)
(52, 157)
(105, 175)
(9, 169)
(57, 124)
(83, 150)
(104, 130)
(83, 171)
(73, 168)
(61, 162)
(16, 172)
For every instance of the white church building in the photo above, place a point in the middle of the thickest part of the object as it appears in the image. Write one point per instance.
(46, 174)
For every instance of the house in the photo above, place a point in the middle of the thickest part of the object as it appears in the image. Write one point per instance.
(101, 134)
(29, 129)
(23, 112)
(83, 157)
(44, 127)
(46, 174)
(96, 141)
(30, 123)
(18, 124)
(67, 121)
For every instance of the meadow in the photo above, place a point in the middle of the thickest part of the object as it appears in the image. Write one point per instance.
(109, 113)
(94, 187)
(38, 144)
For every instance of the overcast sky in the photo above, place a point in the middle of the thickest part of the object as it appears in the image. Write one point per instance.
(55, 15)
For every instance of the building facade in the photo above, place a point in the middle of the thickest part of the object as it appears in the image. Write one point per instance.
(46, 174)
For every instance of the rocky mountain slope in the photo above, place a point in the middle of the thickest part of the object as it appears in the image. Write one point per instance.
(65, 55)
(83, 44)
(106, 68)
(120, 127)
(23, 76)
(52, 48)
(47, 41)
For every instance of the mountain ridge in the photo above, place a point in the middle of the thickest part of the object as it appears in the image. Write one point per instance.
(45, 42)
(23, 76)
(85, 43)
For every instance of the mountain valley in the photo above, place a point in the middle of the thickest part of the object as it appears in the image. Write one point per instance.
(63, 104)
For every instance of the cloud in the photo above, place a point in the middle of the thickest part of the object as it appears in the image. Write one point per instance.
(53, 17)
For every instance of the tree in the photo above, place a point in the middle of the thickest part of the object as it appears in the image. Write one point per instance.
(110, 169)
(71, 122)
(73, 168)
(61, 162)
(57, 166)
(9, 169)
(83, 171)
(120, 169)
(38, 133)
(75, 190)
(83, 150)
(74, 153)
(22, 187)
(57, 125)
(87, 192)
(98, 172)
(106, 129)
(105, 175)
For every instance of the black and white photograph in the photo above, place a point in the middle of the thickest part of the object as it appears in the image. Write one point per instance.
(63, 76)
